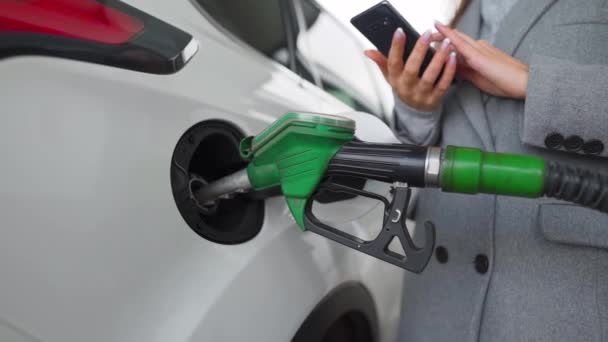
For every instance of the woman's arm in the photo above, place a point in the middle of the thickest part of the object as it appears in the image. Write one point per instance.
(566, 104)
(416, 127)
(567, 100)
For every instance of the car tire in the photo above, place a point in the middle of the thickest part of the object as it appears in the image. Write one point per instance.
(346, 314)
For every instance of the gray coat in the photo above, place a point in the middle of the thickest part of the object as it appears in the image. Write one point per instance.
(521, 269)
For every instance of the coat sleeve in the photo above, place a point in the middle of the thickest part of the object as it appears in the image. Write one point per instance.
(414, 126)
(567, 106)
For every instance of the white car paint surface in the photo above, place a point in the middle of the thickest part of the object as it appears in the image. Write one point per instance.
(93, 247)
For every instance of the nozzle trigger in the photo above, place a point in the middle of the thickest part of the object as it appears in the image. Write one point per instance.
(416, 258)
(394, 226)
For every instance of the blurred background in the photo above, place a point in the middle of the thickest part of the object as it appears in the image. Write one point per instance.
(315, 40)
(331, 45)
(421, 14)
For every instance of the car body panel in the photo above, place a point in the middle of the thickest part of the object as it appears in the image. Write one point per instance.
(93, 246)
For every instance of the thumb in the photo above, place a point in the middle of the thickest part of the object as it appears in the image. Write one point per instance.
(378, 58)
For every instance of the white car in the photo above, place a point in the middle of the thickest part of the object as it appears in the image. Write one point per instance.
(107, 112)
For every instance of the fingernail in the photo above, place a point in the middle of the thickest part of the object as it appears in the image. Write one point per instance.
(446, 43)
(398, 34)
(426, 37)
(452, 59)
(438, 23)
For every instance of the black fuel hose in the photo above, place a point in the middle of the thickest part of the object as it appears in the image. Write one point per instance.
(577, 185)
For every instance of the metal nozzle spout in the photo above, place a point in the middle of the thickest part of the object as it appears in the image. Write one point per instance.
(236, 182)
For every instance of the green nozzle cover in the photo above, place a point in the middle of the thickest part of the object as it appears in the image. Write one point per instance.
(294, 153)
(470, 170)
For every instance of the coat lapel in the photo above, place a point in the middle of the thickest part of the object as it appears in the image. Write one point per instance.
(510, 34)
(518, 22)
(472, 104)
(468, 95)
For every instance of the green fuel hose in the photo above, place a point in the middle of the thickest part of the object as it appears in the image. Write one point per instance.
(472, 171)
(467, 170)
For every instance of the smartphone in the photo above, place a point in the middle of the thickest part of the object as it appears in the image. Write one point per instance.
(379, 23)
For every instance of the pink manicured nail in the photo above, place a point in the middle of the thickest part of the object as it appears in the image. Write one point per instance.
(452, 59)
(446, 43)
(426, 37)
(398, 34)
(438, 23)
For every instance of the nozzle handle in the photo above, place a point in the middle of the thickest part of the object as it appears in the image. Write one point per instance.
(394, 226)
(383, 162)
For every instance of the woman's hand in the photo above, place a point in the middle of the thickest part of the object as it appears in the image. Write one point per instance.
(488, 68)
(422, 93)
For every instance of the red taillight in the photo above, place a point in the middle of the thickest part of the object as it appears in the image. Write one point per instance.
(100, 31)
(82, 19)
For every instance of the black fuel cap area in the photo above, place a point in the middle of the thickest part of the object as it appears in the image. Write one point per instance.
(207, 152)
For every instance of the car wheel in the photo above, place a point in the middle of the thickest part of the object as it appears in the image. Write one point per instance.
(346, 314)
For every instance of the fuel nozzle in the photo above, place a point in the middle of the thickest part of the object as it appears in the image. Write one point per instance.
(237, 182)
(300, 154)
(292, 154)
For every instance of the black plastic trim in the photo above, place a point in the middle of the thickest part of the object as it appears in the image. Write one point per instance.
(291, 31)
(157, 49)
(232, 221)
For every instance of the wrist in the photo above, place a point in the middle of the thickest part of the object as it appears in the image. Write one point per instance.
(523, 87)
(403, 107)
(414, 106)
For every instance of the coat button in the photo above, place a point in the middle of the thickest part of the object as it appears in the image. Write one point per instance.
(573, 143)
(554, 141)
(441, 253)
(593, 147)
(482, 264)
